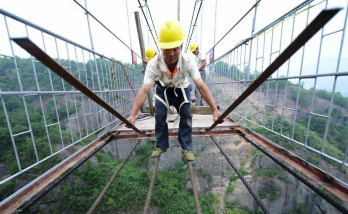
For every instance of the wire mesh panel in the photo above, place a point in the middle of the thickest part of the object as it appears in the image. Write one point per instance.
(304, 101)
(41, 115)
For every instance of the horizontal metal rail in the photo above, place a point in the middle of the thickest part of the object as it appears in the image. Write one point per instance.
(34, 93)
(35, 51)
(306, 34)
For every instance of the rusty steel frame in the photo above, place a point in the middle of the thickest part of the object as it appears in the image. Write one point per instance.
(318, 176)
(40, 55)
(175, 134)
(39, 184)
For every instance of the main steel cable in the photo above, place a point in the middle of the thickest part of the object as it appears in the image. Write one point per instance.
(104, 26)
(152, 185)
(194, 188)
(299, 176)
(43, 57)
(235, 25)
(245, 182)
(194, 8)
(148, 25)
(153, 25)
(112, 179)
(319, 22)
(199, 9)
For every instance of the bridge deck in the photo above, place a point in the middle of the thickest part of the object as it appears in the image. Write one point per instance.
(198, 122)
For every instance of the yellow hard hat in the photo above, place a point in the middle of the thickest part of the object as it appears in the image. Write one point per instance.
(193, 46)
(171, 35)
(150, 52)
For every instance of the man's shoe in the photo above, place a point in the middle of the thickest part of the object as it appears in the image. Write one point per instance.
(157, 152)
(188, 155)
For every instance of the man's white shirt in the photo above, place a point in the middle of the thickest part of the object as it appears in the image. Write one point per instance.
(157, 68)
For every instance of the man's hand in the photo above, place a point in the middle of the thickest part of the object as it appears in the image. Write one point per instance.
(131, 119)
(145, 60)
(216, 115)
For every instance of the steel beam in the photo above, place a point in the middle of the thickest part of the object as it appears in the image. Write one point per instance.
(310, 172)
(149, 135)
(40, 55)
(44, 181)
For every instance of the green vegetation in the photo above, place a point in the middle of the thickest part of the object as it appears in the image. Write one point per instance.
(205, 175)
(243, 172)
(333, 146)
(237, 142)
(301, 209)
(128, 192)
(231, 187)
(272, 192)
(269, 172)
(236, 208)
(234, 177)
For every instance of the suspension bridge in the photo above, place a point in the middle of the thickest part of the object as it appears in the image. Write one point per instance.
(270, 96)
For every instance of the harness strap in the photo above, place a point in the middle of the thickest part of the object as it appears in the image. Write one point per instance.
(166, 103)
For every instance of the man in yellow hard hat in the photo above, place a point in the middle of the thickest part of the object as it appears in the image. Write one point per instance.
(201, 63)
(173, 89)
(150, 53)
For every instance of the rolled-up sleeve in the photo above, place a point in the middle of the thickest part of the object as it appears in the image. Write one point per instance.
(193, 71)
(150, 75)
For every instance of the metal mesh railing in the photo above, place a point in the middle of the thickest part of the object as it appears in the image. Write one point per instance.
(41, 115)
(305, 101)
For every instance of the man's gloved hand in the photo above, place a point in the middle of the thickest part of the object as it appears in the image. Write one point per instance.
(131, 119)
(216, 115)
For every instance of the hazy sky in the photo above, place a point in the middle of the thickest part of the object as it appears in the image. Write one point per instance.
(67, 19)
(64, 17)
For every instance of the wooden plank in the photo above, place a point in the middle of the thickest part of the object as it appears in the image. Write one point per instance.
(198, 122)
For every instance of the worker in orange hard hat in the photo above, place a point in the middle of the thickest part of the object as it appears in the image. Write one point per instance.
(150, 53)
(201, 64)
(173, 89)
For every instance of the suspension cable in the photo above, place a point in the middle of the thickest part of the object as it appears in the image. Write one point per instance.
(153, 25)
(43, 57)
(189, 40)
(112, 179)
(194, 188)
(319, 22)
(235, 25)
(148, 25)
(104, 26)
(245, 182)
(152, 185)
(193, 13)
